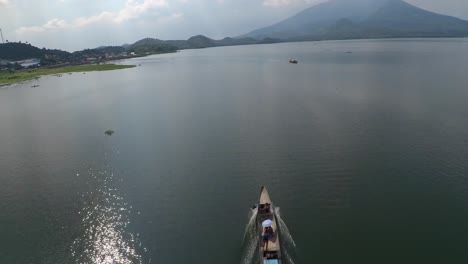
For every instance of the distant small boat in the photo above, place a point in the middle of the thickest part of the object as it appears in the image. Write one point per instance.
(293, 61)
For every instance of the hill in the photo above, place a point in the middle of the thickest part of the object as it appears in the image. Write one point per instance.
(151, 45)
(195, 42)
(344, 19)
(21, 51)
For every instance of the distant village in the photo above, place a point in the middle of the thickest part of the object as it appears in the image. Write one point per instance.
(24, 56)
(54, 61)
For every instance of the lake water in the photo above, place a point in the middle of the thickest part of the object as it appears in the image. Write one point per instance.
(363, 145)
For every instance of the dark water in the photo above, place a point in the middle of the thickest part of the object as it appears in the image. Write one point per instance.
(365, 152)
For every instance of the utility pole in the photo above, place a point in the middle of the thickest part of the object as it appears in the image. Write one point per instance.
(1, 34)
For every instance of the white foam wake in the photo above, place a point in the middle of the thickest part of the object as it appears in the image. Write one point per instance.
(288, 245)
(250, 242)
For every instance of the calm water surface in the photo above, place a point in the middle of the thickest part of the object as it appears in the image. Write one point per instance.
(363, 145)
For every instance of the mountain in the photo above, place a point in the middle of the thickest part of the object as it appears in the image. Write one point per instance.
(16, 51)
(201, 41)
(151, 45)
(111, 49)
(236, 41)
(195, 42)
(20, 51)
(125, 46)
(345, 19)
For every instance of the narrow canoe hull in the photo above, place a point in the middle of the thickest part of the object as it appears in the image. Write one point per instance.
(265, 211)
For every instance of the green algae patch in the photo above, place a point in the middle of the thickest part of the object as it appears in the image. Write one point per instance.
(109, 132)
(7, 78)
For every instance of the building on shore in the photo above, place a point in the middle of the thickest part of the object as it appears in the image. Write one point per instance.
(29, 62)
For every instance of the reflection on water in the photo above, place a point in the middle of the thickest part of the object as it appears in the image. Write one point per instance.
(104, 238)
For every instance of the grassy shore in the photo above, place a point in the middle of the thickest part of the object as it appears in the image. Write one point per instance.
(7, 78)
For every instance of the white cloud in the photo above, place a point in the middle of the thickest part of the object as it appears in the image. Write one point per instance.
(131, 10)
(4, 2)
(172, 17)
(277, 3)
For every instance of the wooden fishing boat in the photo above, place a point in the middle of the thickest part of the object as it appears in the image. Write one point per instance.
(270, 253)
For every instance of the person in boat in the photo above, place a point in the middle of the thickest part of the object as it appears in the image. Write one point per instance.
(270, 231)
(266, 237)
(264, 208)
(270, 255)
(261, 208)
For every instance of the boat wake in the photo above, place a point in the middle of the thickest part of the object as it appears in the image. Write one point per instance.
(287, 242)
(251, 243)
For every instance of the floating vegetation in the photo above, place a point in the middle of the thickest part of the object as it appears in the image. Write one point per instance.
(7, 78)
(109, 132)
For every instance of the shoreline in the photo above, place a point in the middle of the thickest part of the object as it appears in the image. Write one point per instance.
(7, 78)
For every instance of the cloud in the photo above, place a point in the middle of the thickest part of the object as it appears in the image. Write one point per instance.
(4, 2)
(277, 3)
(131, 10)
(51, 24)
(170, 18)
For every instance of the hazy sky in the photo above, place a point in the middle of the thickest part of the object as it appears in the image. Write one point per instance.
(78, 24)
